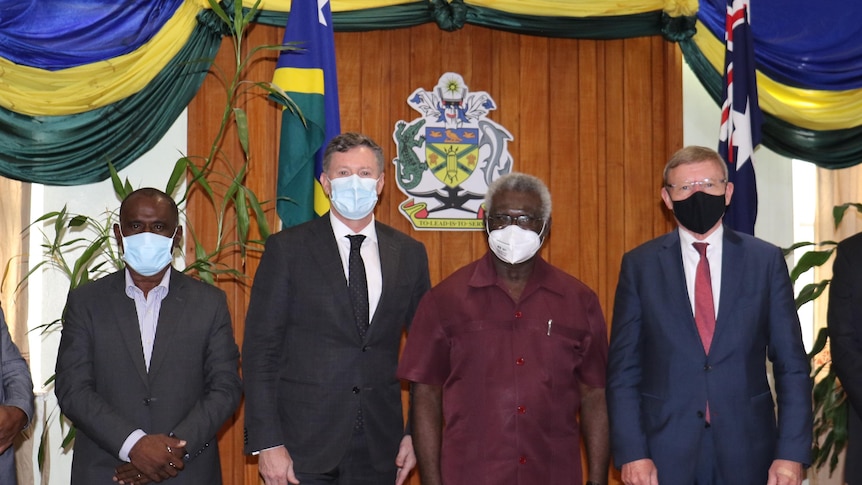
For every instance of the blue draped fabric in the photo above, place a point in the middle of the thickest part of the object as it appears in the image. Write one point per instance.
(813, 45)
(58, 34)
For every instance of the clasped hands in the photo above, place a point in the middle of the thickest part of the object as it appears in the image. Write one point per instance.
(154, 458)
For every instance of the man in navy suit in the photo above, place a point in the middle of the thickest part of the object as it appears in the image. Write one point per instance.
(323, 405)
(693, 327)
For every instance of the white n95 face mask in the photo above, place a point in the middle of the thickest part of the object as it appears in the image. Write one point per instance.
(354, 197)
(513, 244)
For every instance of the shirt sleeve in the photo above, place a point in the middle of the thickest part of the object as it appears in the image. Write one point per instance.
(426, 353)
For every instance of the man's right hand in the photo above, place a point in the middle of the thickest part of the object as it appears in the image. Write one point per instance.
(152, 456)
(276, 466)
(640, 472)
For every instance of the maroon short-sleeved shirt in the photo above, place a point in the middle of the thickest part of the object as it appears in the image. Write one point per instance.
(510, 372)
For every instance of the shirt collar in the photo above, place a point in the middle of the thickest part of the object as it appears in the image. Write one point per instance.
(341, 230)
(542, 276)
(160, 290)
(714, 239)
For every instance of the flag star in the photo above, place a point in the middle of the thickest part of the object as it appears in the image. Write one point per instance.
(742, 135)
(320, 17)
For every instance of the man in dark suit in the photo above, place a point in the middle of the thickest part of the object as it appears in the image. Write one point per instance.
(16, 401)
(844, 318)
(147, 368)
(323, 405)
(688, 393)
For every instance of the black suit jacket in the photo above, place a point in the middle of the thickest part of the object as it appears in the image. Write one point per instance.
(845, 340)
(305, 369)
(103, 386)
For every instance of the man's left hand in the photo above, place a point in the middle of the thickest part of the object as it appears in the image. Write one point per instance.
(785, 472)
(406, 459)
(128, 474)
(12, 421)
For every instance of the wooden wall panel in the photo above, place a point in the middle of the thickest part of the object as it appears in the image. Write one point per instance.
(595, 119)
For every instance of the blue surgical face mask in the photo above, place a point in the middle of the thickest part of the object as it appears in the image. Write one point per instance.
(354, 197)
(148, 253)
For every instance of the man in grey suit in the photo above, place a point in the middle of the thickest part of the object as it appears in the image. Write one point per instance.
(16, 400)
(147, 365)
(323, 405)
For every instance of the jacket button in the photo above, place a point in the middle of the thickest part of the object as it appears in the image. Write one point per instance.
(365, 348)
(707, 367)
(355, 390)
(700, 414)
(147, 401)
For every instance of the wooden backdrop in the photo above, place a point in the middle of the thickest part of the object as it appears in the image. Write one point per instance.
(595, 119)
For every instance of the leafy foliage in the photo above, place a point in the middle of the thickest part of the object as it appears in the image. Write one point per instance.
(829, 398)
(80, 247)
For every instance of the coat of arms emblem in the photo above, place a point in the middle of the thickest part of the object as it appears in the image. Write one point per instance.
(448, 156)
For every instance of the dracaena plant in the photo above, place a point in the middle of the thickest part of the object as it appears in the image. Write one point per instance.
(829, 398)
(79, 246)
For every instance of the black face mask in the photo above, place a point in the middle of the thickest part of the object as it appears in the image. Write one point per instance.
(699, 212)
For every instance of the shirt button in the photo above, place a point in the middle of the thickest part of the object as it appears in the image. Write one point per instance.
(522, 410)
(518, 314)
(520, 361)
(522, 460)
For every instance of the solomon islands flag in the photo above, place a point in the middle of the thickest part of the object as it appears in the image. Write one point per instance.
(309, 79)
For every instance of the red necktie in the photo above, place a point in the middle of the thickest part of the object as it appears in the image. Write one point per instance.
(704, 307)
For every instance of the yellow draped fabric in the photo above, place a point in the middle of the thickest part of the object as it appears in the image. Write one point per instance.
(33, 91)
(806, 108)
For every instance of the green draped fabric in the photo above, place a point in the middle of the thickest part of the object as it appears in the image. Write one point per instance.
(454, 16)
(76, 149)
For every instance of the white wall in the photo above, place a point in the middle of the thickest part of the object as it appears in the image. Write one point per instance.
(47, 290)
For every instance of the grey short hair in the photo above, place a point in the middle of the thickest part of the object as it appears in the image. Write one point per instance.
(694, 154)
(520, 182)
(348, 141)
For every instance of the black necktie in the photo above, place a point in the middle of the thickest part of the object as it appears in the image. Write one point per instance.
(357, 284)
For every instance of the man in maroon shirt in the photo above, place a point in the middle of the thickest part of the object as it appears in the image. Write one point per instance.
(505, 352)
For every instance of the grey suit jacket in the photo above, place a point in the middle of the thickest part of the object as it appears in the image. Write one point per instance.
(306, 371)
(103, 386)
(16, 390)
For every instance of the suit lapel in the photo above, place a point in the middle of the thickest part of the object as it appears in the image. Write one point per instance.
(126, 318)
(170, 317)
(732, 263)
(328, 259)
(389, 264)
(676, 291)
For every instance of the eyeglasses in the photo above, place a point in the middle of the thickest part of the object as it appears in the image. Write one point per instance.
(499, 221)
(710, 186)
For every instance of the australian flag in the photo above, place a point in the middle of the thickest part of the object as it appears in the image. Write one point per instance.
(741, 118)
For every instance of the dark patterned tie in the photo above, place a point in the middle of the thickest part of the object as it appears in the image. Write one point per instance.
(357, 284)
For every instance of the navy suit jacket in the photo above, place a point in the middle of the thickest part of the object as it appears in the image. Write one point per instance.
(845, 341)
(306, 371)
(102, 383)
(659, 377)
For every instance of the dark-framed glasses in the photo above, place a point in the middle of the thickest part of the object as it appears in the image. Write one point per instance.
(499, 221)
(710, 186)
